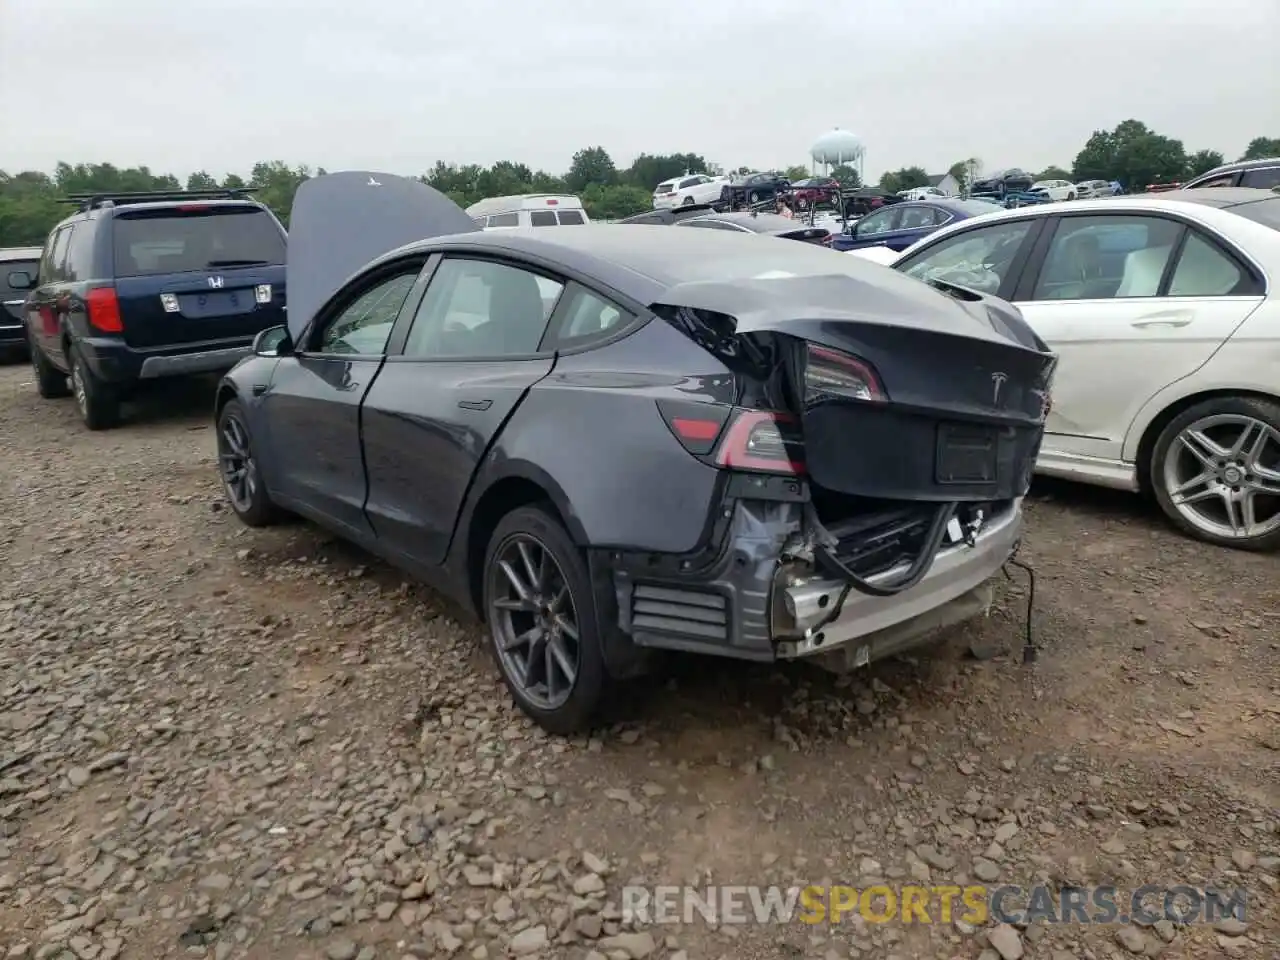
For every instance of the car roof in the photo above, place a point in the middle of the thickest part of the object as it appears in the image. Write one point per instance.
(21, 253)
(759, 222)
(1240, 165)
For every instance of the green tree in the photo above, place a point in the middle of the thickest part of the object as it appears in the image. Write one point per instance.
(1262, 147)
(1133, 154)
(797, 173)
(233, 181)
(201, 180)
(591, 165)
(1202, 161)
(906, 178)
(847, 176)
(649, 170)
(1053, 173)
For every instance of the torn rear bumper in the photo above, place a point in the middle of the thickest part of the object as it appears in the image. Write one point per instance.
(954, 590)
(741, 600)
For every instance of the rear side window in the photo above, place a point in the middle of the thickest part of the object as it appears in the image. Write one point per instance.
(1263, 178)
(55, 266)
(542, 218)
(173, 240)
(1226, 180)
(79, 264)
(570, 218)
(505, 220)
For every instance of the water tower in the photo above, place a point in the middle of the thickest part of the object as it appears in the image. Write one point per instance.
(836, 147)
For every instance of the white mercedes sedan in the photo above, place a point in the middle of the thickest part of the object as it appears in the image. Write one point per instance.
(1164, 312)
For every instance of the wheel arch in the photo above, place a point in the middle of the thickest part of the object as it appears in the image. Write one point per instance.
(1151, 432)
(520, 485)
(226, 393)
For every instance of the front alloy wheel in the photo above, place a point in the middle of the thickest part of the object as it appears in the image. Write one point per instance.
(1218, 476)
(535, 622)
(238, 469)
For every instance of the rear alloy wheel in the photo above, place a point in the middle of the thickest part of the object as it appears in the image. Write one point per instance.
(754, 198)
(50, 381)
(542, 623)
(1071, 196)
(241, 479)
(1215, 471)
(98, 403)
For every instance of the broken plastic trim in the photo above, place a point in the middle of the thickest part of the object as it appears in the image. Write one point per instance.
(825, 556)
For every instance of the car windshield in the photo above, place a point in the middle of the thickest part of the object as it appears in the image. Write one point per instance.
(173, 240)
(1265, 212)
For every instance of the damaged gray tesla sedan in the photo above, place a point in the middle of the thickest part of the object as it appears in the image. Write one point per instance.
(613, 441)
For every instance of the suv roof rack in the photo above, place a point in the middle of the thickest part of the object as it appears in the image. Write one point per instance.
(92, 201)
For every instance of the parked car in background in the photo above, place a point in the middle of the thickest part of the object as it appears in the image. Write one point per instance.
(690, 189)
(1163, 311)
(1091, 189)
(768, 224)
(138, 286)
(753, 188)
(921, 193)
(1262, 174)
(19, 267)
(528, 210)
(665, 216)
(1002, 182)
(683, 453)
(1055, 189)
(815, 191)
(902, 224)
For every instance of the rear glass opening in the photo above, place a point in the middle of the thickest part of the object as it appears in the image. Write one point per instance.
(542, 218)
(171, 240)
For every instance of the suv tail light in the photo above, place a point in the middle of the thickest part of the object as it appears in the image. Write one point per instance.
(104, 310)
(735, 438)
(831, 373)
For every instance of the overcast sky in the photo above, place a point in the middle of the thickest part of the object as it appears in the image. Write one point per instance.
(396, 85)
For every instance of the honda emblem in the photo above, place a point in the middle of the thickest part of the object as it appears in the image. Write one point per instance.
(215, 282)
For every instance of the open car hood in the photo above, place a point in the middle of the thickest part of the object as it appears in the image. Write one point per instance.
(342, 221)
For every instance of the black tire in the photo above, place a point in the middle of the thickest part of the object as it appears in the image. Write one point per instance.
(252, 503)
(51, 382)
(1264, 412)
(754, 197)
(687, 202)
(99, 405)
(1071, 196)
(536, 525)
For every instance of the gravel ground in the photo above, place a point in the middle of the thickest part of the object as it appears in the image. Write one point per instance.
(224, 743)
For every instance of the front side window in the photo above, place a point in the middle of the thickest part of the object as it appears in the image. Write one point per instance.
(482, 308)
(362, 328)
(980, 259)
(1093, 258)
(1226, 180)
(883, 221)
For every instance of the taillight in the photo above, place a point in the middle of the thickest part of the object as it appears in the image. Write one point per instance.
(831, 373)
(104, 310)
(757, 440)
(735, 438)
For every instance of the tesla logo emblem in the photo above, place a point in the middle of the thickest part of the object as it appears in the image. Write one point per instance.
(215, 282)
(998, 381)
(373, 183)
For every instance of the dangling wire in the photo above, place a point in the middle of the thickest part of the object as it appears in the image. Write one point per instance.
(1029, 649)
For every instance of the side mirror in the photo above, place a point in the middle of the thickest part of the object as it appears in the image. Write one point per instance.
(20, 280)
(273, 342)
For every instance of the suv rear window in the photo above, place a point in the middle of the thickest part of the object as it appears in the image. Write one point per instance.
(172, 240)
(568, 217)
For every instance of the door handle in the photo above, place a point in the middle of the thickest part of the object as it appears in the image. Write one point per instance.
(1167, 318)
(475, 404)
